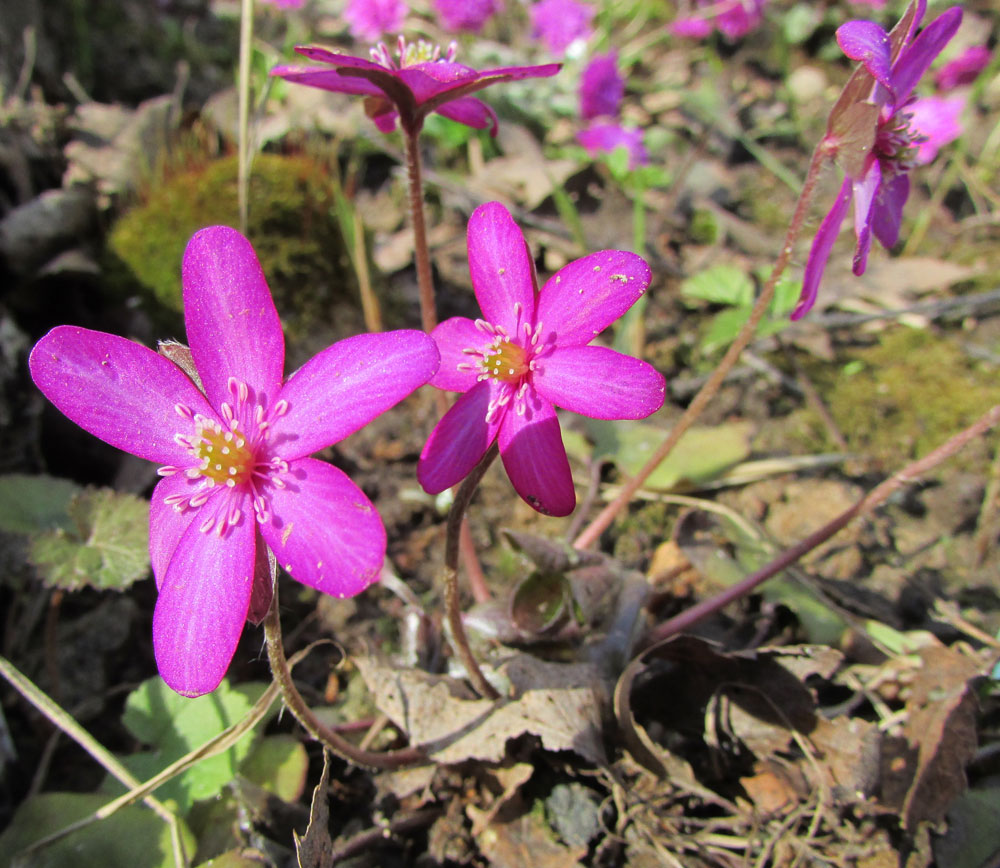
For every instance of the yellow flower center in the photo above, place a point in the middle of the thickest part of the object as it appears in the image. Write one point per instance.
(504, 361)
(225, 457)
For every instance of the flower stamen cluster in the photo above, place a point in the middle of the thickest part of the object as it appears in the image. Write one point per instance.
(412, 53)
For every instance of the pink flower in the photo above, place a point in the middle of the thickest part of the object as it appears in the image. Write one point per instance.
(607, 138)
(871, 133)
(236, 472)
(418, 82)
(559, 22)
(734, 19)
(529, 353)
(964, 69)
(601, 87)
(936, 121)
(369, 20)
(468, 15)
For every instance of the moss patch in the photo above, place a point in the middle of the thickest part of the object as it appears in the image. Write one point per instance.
(291, 226)
(907, 395)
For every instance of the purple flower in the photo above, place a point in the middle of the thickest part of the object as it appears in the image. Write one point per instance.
(734, 19)
(560, 22)
(607, 138)
(601, 87)
(871, 133)
(936, 121)
(964, 69)
(468, 15)
(528, 353)
(418, 82)
(236, 476)
(370, 19)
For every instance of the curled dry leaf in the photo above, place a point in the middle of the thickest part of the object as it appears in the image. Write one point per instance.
(558, 702)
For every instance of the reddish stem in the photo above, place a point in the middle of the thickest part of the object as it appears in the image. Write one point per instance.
(421, 253)
(875, 498)
(603, 520)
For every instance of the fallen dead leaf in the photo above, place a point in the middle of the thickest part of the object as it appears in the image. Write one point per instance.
(558, 702)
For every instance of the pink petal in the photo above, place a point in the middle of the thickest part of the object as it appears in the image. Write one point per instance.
(202, 606)
(453, 337)
(502, 272)
(326, 79)
(819, 252)
(865, 192)
(337, 58)
(583, 298)
(534, 457)
(472, 112)
(323, 530)
(867, 42)
(938, 121)
(344, 387)
(887, 216)
(919, 55)
(166, 524)
(232, 326)
(117, 390)
(459, 439)
(600, 383)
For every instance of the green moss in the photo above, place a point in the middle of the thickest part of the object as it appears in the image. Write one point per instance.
(291, 226)
(907, 395)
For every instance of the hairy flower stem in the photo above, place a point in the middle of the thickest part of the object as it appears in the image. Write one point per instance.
(304, 715)
(450, 576)
(601, 522)
(422, 255)
(875, 498)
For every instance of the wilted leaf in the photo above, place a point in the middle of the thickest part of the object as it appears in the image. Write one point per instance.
(557, 702)
(701, 455)
(31, 504)
(175, 725)
(106, 544)
(527, 840)
(279, 764)
(314, 849)
(927, 773)
(133, 836)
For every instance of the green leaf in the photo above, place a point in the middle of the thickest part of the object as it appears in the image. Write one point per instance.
(279, 764)
(133, 836)
(702, 454)
(105, 546)
(724, 326)
(720, 284)
(786, 296)
(31, 504)
(174, 726)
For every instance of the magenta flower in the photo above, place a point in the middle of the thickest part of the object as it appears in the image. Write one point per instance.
(734, 19)
(558, 23)
(418, 82)
(469, 15)
(236, 476)
(936, 122)
(871, 133)
(528, 353)
(964, 69)
(607, 138)
(369, 20)
(602, 87)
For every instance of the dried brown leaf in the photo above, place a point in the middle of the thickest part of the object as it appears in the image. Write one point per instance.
(314, 849)
(557, 702)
